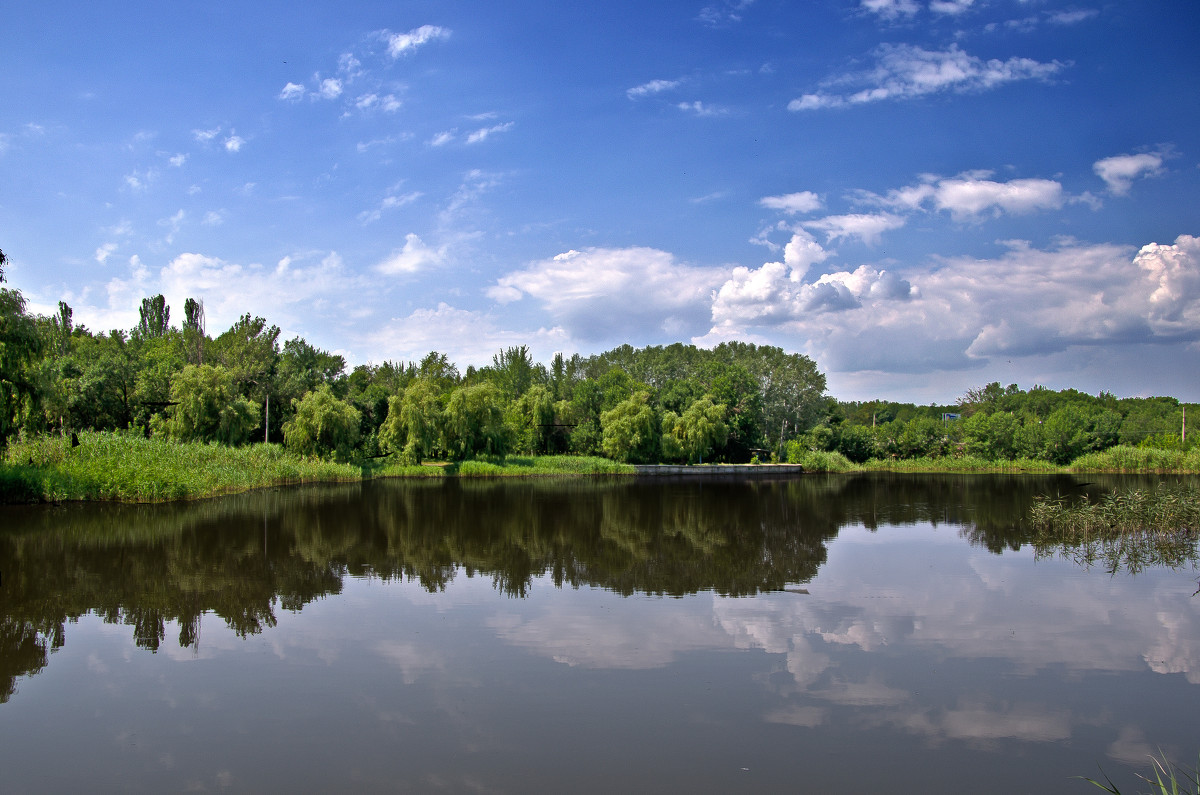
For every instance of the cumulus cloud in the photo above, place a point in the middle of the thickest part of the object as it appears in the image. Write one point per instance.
(606, 293)
(234, 143)
(402, 43)
(792, 203)
(414, 256)
(330, 88)
(1120, 171)
(959, 312)
(652, 87)
(904, 71)
(313, 288)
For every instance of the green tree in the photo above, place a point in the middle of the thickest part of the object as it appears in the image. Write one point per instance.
(414, 421)
(628, 432)
(154, 318)
(20, 349)
(209, 408)
(322, 426)
(193, 330)
(474, 422)
(702, 428)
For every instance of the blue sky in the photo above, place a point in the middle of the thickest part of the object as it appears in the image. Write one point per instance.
(922, 195)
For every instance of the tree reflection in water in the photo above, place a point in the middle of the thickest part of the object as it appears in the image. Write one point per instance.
(243, 557)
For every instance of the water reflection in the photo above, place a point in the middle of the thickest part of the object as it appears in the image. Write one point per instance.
(872, 627)
(243, 557)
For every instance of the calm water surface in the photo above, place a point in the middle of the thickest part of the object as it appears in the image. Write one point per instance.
(819, 634)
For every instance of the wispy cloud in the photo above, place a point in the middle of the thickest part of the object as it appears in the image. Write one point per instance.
(653, 87)
(904, 71)
(402, 43)
(698, 108)
(482, 134)
(724, 12)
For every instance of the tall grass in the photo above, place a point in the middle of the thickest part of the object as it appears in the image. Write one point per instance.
(130, 468)
(1132, 529)
(1127, 459)
(121, 466)
(958, 464)
(823, 461)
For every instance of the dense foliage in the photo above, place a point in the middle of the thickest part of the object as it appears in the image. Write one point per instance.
(995, 423)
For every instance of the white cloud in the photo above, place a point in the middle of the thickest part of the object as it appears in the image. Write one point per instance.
(972, 193)
(390, 202)
(724, 12)
(466, 337)
(904, 71)
(104, 252)
(792, 203)
(401, 43)
(1120, 171)
(443, 138)
(867, 227)
(484, 133)
(292, 92)
(177, 160)
(234, 143)
(950, 7)
(606, 293)
(214, 218)
(890, 9)
(415, 256)
(653, 87)
(700, 109)
(331, 88)
(963, 196)
(960, 312)
(206, 136)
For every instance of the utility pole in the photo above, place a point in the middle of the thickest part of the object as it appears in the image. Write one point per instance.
(267, 424)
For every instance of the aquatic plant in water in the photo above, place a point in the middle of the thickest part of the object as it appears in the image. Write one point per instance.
(1130, 529)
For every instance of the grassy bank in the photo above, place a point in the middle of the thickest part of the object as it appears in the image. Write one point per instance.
(114, 466)
(129, 468)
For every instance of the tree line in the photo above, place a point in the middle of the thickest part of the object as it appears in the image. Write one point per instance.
(677, 403)
(998, 423)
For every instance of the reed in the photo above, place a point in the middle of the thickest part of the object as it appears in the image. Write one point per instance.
(127, 467)
(1128, 459)
(1167, 780)
(1128, 529)
(953, 464)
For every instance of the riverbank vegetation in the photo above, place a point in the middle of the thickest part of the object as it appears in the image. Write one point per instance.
(735, 403)
(1125, 529)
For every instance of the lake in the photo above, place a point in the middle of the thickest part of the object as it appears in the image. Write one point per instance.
(857, 633)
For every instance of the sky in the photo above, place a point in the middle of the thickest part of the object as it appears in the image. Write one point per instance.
(924, 196)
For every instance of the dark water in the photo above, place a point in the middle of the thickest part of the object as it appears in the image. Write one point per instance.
(818, 634)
